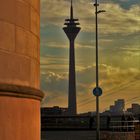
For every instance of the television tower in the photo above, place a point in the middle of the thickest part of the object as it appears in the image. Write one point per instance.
(71, 31)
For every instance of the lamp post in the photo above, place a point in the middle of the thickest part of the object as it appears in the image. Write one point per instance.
(97, 91)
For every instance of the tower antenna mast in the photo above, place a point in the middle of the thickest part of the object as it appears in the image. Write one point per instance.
(71, 15)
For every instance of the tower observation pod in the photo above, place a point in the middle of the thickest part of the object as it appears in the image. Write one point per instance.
(20, 93)
(71, 29)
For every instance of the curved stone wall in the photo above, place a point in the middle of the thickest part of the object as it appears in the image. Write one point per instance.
(19, 42)
(20, 119)
(19, 70)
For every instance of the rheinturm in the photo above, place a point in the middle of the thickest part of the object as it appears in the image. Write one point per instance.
(71, 31)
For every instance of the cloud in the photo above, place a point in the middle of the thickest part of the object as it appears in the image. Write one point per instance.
(55, 89)
(119, 51)
(115, 20)
(118, 30)
(112, 79)
(127, 4)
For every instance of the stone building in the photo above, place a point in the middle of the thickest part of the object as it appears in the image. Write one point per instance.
(19, 70)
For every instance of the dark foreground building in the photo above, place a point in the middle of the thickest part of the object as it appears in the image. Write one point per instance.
(84, 128)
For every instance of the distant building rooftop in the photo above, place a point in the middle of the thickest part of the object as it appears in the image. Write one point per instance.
(53, 111)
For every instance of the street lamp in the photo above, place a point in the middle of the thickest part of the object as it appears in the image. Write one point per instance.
(97, 91)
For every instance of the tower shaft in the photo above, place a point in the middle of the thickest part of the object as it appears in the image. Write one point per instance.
(72, 109)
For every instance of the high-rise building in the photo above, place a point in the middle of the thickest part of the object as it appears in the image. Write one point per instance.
(71, 31)
(118, 107)
(135, 109)
(19, 70)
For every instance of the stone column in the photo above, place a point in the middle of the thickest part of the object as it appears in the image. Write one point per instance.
(19, 70)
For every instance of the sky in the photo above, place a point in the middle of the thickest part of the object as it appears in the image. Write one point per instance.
(119, 52)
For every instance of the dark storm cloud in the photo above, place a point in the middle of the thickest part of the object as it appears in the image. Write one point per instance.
(125, 4)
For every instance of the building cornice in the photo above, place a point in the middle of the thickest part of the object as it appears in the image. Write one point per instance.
(20, 91)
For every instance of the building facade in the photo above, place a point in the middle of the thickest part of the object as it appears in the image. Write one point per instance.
(118, 107)
(19, 70)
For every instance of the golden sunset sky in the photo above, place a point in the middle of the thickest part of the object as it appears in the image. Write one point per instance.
(119, 52)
